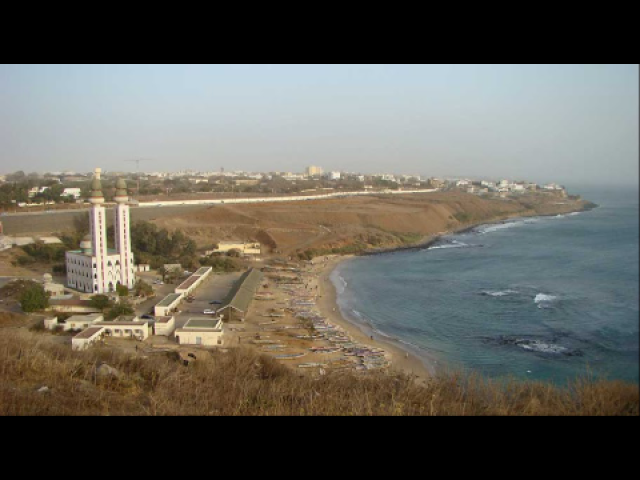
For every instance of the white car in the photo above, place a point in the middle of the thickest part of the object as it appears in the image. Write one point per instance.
(209, 312)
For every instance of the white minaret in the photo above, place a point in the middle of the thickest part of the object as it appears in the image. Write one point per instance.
(123, 235)
(98, 227)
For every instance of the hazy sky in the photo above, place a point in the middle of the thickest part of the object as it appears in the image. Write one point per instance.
(570, 123)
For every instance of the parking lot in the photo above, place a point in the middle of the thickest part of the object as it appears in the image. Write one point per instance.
(216, 287)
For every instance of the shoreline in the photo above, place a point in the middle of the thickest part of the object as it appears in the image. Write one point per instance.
(430, 240)
(403, 359)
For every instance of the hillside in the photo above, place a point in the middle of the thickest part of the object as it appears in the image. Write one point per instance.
(375, 221)
(42, 377)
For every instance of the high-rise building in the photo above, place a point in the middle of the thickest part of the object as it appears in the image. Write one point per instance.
(313, 171)
(95, 268)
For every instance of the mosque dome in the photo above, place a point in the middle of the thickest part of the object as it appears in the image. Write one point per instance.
(85, 244)
(96, 190)
(121, 189)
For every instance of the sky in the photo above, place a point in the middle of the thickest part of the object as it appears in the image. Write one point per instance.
(574, 124)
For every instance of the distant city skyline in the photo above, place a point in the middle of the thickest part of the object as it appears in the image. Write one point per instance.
(573, 124)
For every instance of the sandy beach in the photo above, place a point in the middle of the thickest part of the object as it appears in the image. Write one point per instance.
(401, 359)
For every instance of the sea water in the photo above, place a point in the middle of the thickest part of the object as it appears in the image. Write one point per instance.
(545, 298)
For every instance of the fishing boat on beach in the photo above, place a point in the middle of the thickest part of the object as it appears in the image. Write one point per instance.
(312, 365)
(290, 356)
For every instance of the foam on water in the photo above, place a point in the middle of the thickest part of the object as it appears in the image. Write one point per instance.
(544, 298)
(500, 294)
(541, 347)
(453, 244)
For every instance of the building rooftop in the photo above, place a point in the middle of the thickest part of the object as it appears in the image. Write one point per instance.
(243, 291)
(163, 319)
(116, 323)
(169, 299)
(202, 271)
(84, 318)
(89, 332)
(188, 282)
(203, 324)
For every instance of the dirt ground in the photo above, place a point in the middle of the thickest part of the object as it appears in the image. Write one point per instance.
(290, 227)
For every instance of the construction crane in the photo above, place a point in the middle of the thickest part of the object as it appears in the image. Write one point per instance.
(138, 160)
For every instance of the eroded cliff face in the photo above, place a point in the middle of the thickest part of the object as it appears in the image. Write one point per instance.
(384, 221)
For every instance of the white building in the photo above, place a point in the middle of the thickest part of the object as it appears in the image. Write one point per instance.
(74, 193)
(194, 281)
(245, 248)
(168, 305)
(165, 325)
(95, 268)
(201, 331)
(80, 322)
(86, 338)
(126, 327)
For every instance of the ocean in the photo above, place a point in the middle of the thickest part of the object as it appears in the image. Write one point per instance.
(544, 298)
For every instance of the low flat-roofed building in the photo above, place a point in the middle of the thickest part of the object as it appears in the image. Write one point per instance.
(118, 328)
(207, 332)
(86, 338)
(245, 248)
(54, 289)
(72, 305)
(168, 305)
(194, 281)
(165, 326)
(51, 323)
(80, 322)
(50, 240)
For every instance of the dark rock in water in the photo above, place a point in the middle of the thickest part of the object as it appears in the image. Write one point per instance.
(537, 346)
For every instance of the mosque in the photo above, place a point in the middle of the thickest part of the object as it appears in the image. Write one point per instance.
(95, 268)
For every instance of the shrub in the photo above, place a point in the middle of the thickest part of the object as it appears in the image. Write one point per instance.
(34, 299)
(122, 308)
(122, 290)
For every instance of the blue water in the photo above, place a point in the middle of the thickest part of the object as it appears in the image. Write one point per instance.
(547, 298)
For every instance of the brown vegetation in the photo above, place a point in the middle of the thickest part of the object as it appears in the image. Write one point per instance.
(242, 382)
(374, 221)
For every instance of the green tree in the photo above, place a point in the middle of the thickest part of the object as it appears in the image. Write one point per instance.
(122, 308)
(143, 289)
(101, 302)
(34, 298)
(122, 290)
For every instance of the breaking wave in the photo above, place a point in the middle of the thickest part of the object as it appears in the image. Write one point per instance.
(500, 294)
(453, 244)
(544, 298)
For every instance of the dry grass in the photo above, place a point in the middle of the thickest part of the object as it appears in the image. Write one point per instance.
(242, 382)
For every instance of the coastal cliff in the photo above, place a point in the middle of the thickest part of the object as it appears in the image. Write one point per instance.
(356, 225)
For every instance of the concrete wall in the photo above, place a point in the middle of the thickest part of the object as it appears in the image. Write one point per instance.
(80, 344)
(208, 339)
(165, 329)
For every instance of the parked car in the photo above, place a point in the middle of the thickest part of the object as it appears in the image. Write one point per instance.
(209, 312)
(215, 302)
